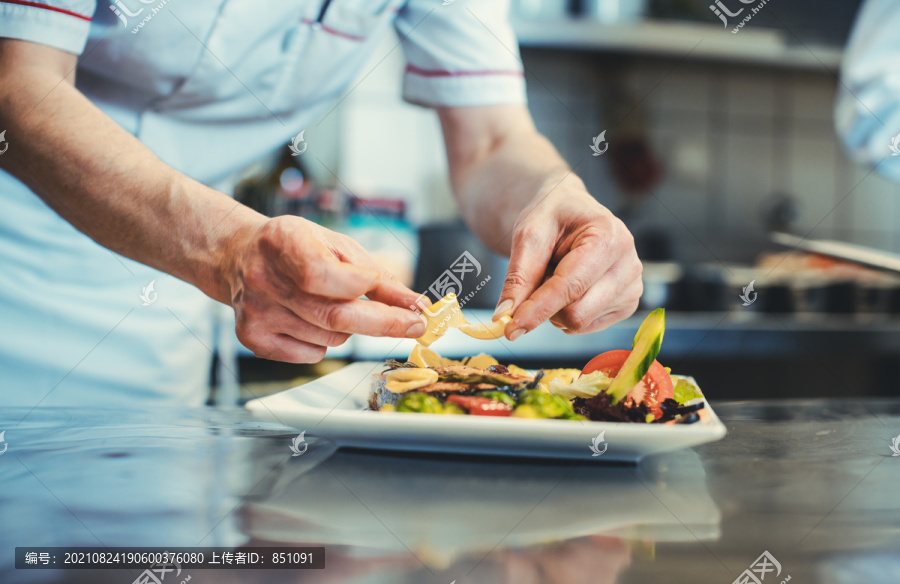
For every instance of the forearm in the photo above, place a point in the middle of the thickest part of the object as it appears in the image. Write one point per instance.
(496, 179)
(109, 186)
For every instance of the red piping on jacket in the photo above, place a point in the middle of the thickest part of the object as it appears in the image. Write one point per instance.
(46, 7)
(329, 30)
(441, 73)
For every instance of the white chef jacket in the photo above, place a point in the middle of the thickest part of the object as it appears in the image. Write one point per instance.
(210, 86)
(868, 105)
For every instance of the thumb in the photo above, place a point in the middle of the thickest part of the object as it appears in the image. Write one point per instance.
(531, 253)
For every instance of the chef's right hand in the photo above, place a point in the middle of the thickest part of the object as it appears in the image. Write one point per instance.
(296, 286)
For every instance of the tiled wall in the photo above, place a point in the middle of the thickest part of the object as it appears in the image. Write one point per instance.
(730, 136)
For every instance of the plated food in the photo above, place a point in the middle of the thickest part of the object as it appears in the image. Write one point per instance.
(618, 386)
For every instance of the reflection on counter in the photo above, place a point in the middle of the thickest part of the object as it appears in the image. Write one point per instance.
(409, 517)
(811, 482)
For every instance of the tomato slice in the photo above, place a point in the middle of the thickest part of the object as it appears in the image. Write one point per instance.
(655, 388)
(480, 406)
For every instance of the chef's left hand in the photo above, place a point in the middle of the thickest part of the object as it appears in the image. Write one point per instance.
(572, 262)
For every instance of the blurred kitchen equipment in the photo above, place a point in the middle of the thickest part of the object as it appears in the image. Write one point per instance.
(614, 11)
(779, 212)
(776, 298)
(539, 8)
(808, 21)
(660, 279)
(379, 224)
(702, 288)
(848, 252)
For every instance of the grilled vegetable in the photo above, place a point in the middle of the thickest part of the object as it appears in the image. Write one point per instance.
(471, 375)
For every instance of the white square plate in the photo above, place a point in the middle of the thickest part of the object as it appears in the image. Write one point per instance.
(335, 406)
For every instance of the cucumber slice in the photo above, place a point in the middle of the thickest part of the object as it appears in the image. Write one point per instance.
(644, 350)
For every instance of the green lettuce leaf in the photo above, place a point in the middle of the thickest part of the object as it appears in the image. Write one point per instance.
(685, 391)
(586, 386)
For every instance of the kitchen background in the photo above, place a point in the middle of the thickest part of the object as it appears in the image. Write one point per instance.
(715, 140)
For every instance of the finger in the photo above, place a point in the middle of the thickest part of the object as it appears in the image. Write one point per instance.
(387, 289)
(268, 344)
(359, 317)
(332, 278)
(572, 278)
(531, 253)
(391, 292)
(291, 325)
(279, 347)
(593, 304)
(605, 321)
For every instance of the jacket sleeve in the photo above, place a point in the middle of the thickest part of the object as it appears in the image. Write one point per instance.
(63, 24)
(460, 53)
(868, 105)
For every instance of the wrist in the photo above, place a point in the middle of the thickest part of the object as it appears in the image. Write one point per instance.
(561, 183)
(214, 252)
(230, 249)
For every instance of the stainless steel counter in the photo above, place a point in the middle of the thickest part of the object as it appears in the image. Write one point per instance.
(811, 482)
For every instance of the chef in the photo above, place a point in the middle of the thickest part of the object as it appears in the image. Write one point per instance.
(124, 125)
(868, 105)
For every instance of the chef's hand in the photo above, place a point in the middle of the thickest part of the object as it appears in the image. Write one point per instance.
(572, 262)
(295, 289)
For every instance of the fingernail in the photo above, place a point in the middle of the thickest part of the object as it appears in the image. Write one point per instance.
(418, 329)
(516, 334)
(503, 308)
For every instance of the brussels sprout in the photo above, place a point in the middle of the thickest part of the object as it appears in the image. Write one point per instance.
(526, 412)
(420, 403)
(546, 404)
(453, 409)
